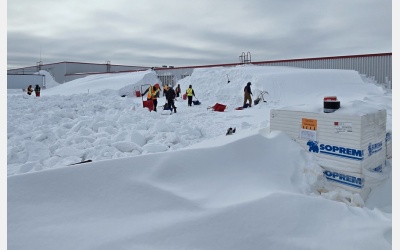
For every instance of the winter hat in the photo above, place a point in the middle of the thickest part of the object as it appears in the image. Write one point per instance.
(249, 83)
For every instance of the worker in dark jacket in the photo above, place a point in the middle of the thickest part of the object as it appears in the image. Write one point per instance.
(170, 95)
(178, 90)
(247, 95)
(37, 90)
(165, 89)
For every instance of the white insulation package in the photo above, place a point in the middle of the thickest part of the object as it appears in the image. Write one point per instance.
(350, 145)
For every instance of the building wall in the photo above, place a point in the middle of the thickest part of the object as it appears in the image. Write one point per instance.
(23, 81)
(67, 71)
(376, 66)
(173, 75)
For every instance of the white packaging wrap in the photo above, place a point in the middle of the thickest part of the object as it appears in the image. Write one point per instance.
(346, 144)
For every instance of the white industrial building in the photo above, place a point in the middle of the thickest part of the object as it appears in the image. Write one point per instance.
(375, 66)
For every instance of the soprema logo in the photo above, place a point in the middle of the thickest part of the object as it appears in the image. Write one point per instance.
(348, 180)
(350, 153)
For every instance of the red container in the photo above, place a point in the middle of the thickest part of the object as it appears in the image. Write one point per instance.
(330, 98)
(184, 96)
(331, 104)
(148, 104)
(138, 93)
(218, 107)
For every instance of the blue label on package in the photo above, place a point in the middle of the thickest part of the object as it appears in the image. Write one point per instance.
(344, 179)
(338, 151)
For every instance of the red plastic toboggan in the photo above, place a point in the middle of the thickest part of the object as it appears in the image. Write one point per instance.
(148, 104)
(218, 107)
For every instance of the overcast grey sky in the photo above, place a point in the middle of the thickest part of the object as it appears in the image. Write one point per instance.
(186, 33)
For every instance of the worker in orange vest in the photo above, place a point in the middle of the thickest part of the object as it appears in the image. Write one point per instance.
(153, 92)
(190, 94)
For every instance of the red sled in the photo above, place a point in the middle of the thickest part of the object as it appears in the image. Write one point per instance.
(147, 103)
(241, 108)
(184, 96)
(218, 107)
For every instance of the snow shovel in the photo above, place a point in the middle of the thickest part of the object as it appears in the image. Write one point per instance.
(166, 108)
(196, 102)
(260, 96)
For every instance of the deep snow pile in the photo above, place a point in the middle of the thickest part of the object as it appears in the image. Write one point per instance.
(177, 181)
(215, 197)
(88, 119)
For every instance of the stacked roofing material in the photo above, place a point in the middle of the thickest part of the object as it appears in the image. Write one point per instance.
(389, 144)
(350, 146)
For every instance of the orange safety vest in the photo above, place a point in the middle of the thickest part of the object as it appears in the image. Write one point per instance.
(189, 92)
(155, 92)
(150, 93)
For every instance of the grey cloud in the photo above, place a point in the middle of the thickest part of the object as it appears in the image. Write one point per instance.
(178, 35)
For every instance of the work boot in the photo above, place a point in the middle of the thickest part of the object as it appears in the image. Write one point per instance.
(174, 109)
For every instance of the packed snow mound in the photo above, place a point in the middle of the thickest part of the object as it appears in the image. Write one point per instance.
(115, 83)
(104, 125)
(285, 85)
(50, 81)
(204, 181)
(188, 193)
